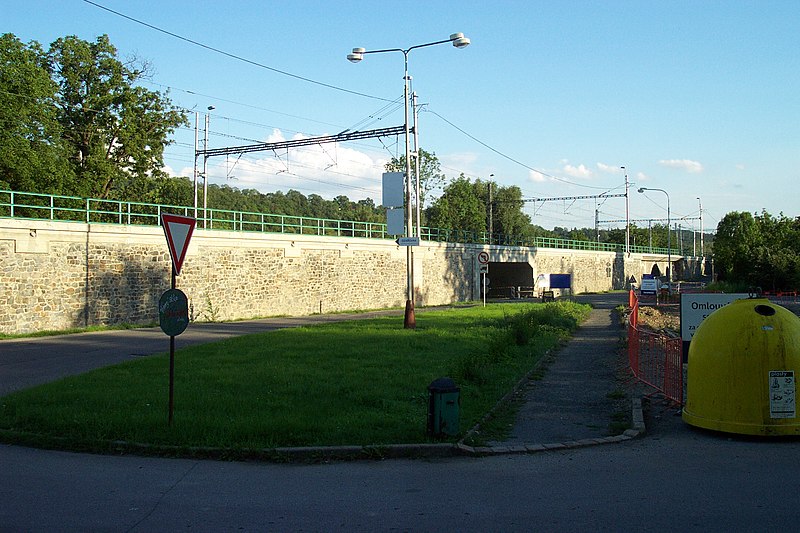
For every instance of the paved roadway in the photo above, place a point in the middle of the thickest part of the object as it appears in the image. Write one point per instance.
(674, 478)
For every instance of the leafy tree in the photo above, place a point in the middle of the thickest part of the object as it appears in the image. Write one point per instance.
(430, 173)
(582, 234)
(738, 236)
(508, 220)
(115, 131)
(175, 191)
(459, 207)
(367, 211)
(776, 261)
(639, 236)
(30, 136)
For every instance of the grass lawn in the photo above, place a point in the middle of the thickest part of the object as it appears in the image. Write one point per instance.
(347, 383)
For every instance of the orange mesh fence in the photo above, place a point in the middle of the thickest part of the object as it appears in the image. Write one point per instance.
(655, 359)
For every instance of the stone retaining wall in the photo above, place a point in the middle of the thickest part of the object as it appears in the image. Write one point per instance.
(58, 275)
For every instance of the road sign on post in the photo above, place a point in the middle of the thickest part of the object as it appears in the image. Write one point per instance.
(173, 312)
(173, 307)
(178, 230)
(407, 241)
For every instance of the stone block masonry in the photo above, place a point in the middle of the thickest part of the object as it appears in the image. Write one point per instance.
(60, 275)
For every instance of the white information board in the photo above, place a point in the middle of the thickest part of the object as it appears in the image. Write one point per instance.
(649, 286)
(695, 307)
(782, 402)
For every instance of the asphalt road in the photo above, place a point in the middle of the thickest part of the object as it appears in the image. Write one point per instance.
(674, 478)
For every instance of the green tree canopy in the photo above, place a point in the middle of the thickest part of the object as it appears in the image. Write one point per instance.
(506, 209)
(459, 207)
(31, 155)
(758, 251)
(430, 173)
(115, 131)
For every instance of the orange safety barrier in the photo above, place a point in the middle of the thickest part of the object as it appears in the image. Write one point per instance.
(781, 297)
(655, 359)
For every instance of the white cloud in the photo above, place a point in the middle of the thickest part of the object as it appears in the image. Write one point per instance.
(609, 169)
(275, 137)
(740, 166)
(687, 165)
(577, 172)
(536, 176)
(328, 170)
(641, 176)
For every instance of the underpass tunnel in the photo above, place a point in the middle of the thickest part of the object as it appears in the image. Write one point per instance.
(510, 280)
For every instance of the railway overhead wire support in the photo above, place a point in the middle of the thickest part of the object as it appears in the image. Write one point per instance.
(282, 145)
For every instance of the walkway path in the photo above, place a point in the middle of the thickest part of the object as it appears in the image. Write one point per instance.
(577, 396)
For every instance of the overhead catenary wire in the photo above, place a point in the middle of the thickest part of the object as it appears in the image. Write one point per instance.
(234, 56)
(332, 87)
(509, 158)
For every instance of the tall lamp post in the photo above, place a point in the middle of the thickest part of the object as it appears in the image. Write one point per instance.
(459, 41)
(700, 203)
(669, 238)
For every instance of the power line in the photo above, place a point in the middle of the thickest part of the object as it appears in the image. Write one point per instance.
(505, 156)
(573, 198)
(251, 106)
(326, 85)
(234, 56)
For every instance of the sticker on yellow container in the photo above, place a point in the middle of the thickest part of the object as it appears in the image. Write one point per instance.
(782, 394)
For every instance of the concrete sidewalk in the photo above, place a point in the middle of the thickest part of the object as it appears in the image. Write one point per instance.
(580, 393)
(575, 399)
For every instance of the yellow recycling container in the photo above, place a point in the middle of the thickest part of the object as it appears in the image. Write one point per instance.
(744, 361)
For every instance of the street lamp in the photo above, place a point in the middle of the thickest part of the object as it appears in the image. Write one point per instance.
(459, 41)
(669, 238)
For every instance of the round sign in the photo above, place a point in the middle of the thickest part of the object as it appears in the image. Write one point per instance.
(483, 257)
(173, 312)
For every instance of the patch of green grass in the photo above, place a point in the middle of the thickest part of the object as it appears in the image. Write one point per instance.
(620, 421)
(70, 331)
(347, 383)
(617, 394)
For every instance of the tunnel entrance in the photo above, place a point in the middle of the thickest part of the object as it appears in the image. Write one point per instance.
(510, 280)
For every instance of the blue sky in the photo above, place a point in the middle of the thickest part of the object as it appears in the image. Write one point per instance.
(699, 98)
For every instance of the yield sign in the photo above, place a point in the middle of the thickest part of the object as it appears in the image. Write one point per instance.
(178, 230)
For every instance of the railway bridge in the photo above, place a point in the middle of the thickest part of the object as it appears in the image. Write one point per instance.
(95, 262)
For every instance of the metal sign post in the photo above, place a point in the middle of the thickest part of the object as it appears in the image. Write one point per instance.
(173, 306)
(483, 259)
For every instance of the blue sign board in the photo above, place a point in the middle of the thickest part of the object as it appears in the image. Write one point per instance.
(560, 281)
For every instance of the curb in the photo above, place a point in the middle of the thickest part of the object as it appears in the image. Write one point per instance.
(638, 430)
(316, 454)
(418, 451)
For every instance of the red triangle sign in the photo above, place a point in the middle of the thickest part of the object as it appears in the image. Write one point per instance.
(178, 230)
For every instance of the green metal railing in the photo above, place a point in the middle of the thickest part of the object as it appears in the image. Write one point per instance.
(35, 206)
